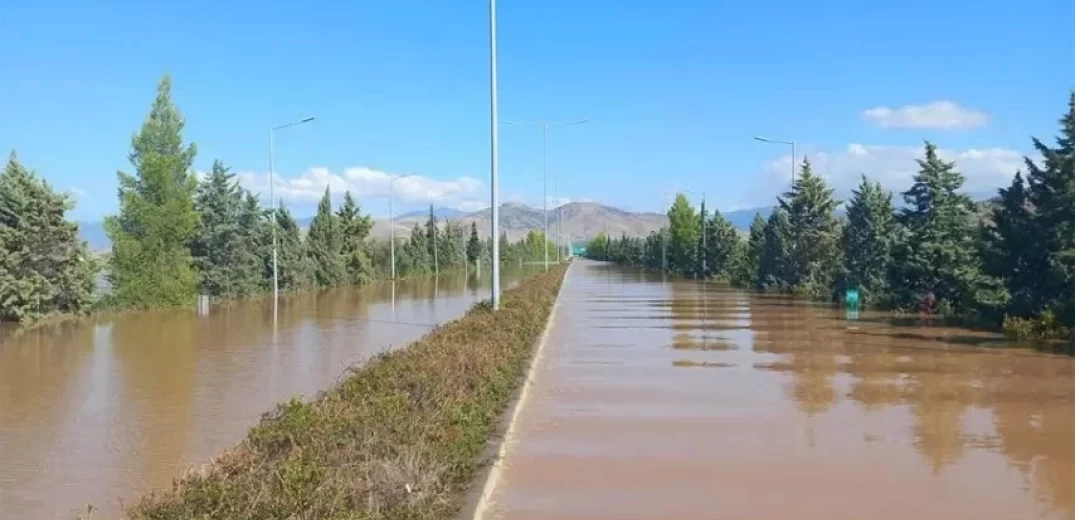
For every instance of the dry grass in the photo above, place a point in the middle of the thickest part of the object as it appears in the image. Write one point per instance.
(400, 438)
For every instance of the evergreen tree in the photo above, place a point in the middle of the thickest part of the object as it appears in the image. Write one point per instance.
(257, 236)
(746, 270)
(702, 265)
(474, 245)
(222, 249)
(1052, 194)
(721, 242)
(682, 236)
(1010, 250)
(775, 261)
(433, 239)
(295, 266)
(942, 254)
(415, 257)
(868, 241)
(151, 262)
(813, 234)
(44, 267)
(324, 245)
(354, 229)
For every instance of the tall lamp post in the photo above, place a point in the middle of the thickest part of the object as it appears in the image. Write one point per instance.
(392, 221)
(493, 187)
(272, 200)
(777, 141)
(544, 173)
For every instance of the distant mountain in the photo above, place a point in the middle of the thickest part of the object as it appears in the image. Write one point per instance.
(437, 212)
(93, 233)
(581, 221)
(741, 218)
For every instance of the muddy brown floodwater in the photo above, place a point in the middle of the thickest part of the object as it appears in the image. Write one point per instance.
(100, 411)
(661, 400)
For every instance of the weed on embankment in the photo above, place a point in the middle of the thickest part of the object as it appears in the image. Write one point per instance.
(399, 438)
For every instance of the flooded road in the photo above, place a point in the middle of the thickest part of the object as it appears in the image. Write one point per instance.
(681, 400)
(103, 410)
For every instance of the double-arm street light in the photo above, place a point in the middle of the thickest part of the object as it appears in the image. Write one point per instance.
(777, 141)
(272, 200)
(544, 177)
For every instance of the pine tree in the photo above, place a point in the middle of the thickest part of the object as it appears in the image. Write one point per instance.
(942, 252)
(747, 262)
(1052, 194)
(221, 247)
(814, 237)
(683, 236)
(355, 228)
(295, 266)
(775, 262)
(474, 245)
(151, 262)
(44, 267)
(324, 245)
(868, 241)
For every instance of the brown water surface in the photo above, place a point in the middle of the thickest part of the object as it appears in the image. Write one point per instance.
(101, 410)
(658, 399)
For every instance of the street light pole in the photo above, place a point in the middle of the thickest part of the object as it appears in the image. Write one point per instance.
(544, 177)
(493, 187)
(392, 220)
(777, 141)
(273, 202)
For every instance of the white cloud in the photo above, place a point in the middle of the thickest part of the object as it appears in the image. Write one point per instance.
(76, 193)
(985, 169)
(944, 115)
(307, 188)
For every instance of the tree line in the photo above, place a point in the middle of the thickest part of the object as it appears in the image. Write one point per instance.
(1009, 260)
(175, 237)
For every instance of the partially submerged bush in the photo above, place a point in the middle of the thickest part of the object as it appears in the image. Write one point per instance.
(401, 437)
(1044, 327)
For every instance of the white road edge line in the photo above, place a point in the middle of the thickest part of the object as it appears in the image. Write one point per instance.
(509, 436)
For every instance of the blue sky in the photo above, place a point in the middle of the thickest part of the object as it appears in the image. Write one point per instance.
(674, 91)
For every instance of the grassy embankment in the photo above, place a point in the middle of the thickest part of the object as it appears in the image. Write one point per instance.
(399, 438)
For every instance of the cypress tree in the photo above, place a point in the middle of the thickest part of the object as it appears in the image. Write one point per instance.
(355, 228)
(44, 267)
(474, 244)
(868, 241)
(151, 263)
(324, 245)
(702, 265)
